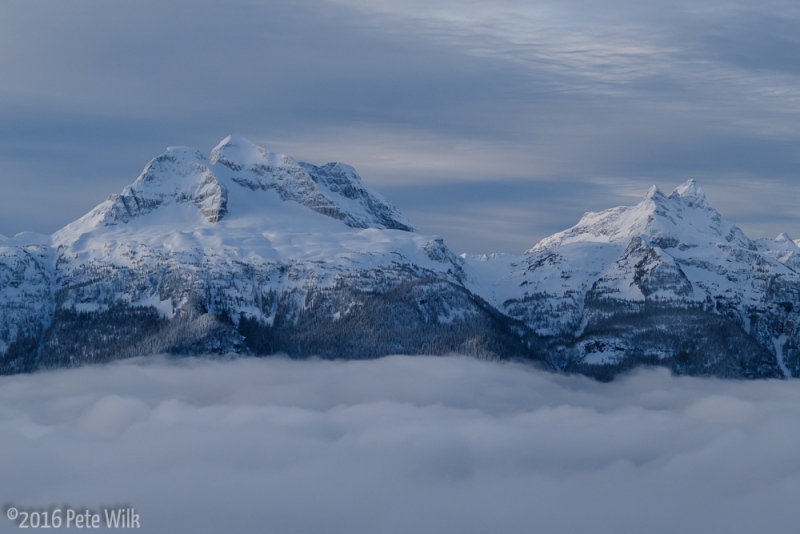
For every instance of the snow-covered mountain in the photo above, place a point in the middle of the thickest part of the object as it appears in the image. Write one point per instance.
(243, 251)
(253, 252)
(668, 281)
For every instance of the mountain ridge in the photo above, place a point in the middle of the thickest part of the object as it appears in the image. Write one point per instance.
(255, 252)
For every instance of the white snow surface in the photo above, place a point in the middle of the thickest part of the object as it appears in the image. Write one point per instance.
(244, 184)
(665, 248)
(783, 249)
(684, 215)
(257, 225)
(298, 226)
(779, 343)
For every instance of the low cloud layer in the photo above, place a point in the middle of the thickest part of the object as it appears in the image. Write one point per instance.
(401, 444)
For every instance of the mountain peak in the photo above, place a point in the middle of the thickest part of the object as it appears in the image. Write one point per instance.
(653, 193)
(666, 221)
(690, 193)
(184, 152)
(334, 190)
(254, 183)
(236, 139)
(236, 152)
(782, 243)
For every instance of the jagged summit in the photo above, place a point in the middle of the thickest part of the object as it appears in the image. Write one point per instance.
(782, 243)
(690, 193)
(184, 152)
(653, 193)
(334, 189)
(180, 177)
(242, 181)
(682, 217)
(782, 248)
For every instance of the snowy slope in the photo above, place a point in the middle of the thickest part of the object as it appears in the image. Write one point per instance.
(783, 249)
(672, 247)
(241, 207)
(335, 189)
(667, 252)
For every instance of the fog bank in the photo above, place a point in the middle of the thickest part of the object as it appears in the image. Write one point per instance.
(401, 444)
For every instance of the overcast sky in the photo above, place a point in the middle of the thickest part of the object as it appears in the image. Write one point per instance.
(491, 123)
(399, 445)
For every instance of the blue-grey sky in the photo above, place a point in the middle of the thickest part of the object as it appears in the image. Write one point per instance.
(491, 123)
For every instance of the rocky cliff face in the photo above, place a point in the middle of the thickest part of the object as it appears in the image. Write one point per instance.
(26, 296)
(334, 190)
(252, 252)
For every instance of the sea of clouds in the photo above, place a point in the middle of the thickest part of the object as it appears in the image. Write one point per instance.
(400, 445)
